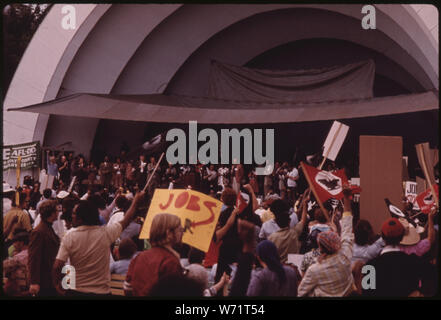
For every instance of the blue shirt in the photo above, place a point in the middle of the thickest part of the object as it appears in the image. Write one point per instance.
(52, 168)
(367, 252)
(121, 266)
(270, 226)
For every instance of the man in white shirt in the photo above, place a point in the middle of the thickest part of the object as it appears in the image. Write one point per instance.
(87, 246)
(133, 228)
(292, 178)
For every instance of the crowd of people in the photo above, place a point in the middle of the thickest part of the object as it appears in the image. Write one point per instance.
(93, 225)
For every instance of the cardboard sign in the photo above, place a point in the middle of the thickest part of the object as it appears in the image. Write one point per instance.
(295, 259)
(46, 181)
(334, 140)
(198, 213)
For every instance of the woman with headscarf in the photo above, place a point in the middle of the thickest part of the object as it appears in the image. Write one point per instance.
(274, 279)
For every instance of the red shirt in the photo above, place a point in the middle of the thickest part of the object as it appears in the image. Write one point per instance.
(148, 267)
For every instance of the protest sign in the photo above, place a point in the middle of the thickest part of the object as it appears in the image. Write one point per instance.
(29, 153)
(428, 199)
(326, 184)
(334, 141)
(426, 159)
(198, 213)
(381, 176)
(410, 191)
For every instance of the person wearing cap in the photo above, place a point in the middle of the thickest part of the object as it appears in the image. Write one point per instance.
(331, 275)
(397, 274)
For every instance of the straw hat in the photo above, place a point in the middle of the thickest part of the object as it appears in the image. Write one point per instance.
(7, 188)
(411, 235)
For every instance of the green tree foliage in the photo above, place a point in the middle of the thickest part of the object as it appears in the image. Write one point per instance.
(20, 21)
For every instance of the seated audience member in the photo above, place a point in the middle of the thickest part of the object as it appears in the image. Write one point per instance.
(286, 239)
(331, 275)
(397, 274)
(150, 266)
(362, 250)
(87, 247)
(126, 251)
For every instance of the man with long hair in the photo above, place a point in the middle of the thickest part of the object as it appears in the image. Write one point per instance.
(150, 266)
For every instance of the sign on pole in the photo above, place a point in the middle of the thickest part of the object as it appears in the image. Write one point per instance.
(410, 192)
(334, 141)
(425, 158)
(29, 153)
(198, 213)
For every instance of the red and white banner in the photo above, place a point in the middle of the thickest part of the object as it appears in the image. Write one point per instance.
(326, 184)
(426, 201)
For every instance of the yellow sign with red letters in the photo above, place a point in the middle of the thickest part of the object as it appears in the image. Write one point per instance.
(198, 213)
